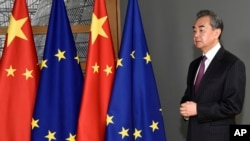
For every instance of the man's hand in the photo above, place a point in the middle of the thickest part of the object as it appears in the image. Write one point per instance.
(188, 109)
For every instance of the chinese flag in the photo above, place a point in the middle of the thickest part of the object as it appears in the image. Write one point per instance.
(18, 77)
(100, 69)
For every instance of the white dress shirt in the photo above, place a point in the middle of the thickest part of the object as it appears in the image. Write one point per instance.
(210, 55)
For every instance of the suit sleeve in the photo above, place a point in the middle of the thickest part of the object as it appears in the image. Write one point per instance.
(232, 97)
(188, 92)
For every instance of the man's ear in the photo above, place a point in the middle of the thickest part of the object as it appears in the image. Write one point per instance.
(217, 32)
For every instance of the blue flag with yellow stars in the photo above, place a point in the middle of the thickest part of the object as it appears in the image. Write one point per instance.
(60, 87)
(134, 112)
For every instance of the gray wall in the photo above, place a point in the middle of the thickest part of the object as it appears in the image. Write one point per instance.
(168, 28)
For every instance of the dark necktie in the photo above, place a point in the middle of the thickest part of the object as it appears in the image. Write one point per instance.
(200, 73)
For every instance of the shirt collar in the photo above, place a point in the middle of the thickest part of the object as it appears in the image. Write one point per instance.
(211, 53)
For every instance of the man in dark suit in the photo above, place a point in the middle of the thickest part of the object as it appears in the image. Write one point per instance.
(212, 107)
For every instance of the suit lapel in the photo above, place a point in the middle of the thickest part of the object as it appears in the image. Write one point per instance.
(211, 70)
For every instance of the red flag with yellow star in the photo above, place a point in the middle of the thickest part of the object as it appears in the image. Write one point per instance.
(100, 69)
(18, 77)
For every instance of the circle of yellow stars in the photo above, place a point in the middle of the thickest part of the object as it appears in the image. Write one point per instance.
(60, 55)
(119, 63)
(51, 135)
(34, 123)
(137, 133)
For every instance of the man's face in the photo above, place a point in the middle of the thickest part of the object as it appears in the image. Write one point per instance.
(204, 36)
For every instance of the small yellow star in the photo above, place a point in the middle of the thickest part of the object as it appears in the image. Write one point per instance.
(124, 132)
(10, 71)
(15, 29)
(60, 55)
(34, 123)
(132, 54)
(147, 58)
(109, 120)
(108, 70)
(95, 68)
(28, 74)
(71, 137)
(119, 63)
(51, 135)
(96, 27)
(137, 133)
(77, 59)
(154, 126)
(43, 64)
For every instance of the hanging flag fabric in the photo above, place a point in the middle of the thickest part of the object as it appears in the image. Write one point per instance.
(60, 87)
(19, 74)
(134, 111)
(100, 70)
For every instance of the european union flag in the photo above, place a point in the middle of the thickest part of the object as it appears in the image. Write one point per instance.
(134, 111)
(60, 87)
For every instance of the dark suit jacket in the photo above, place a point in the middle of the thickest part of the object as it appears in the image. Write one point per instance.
(219, 98)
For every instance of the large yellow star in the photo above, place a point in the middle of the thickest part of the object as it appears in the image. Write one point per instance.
(124, 132)
(51, 135)
(10, 71)
(71, 137)
(28, 74)
(60, 55)
(154, 125)
(109, 120)
(15, 29)
(96, 27)
(34, 123)
(147, 58)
